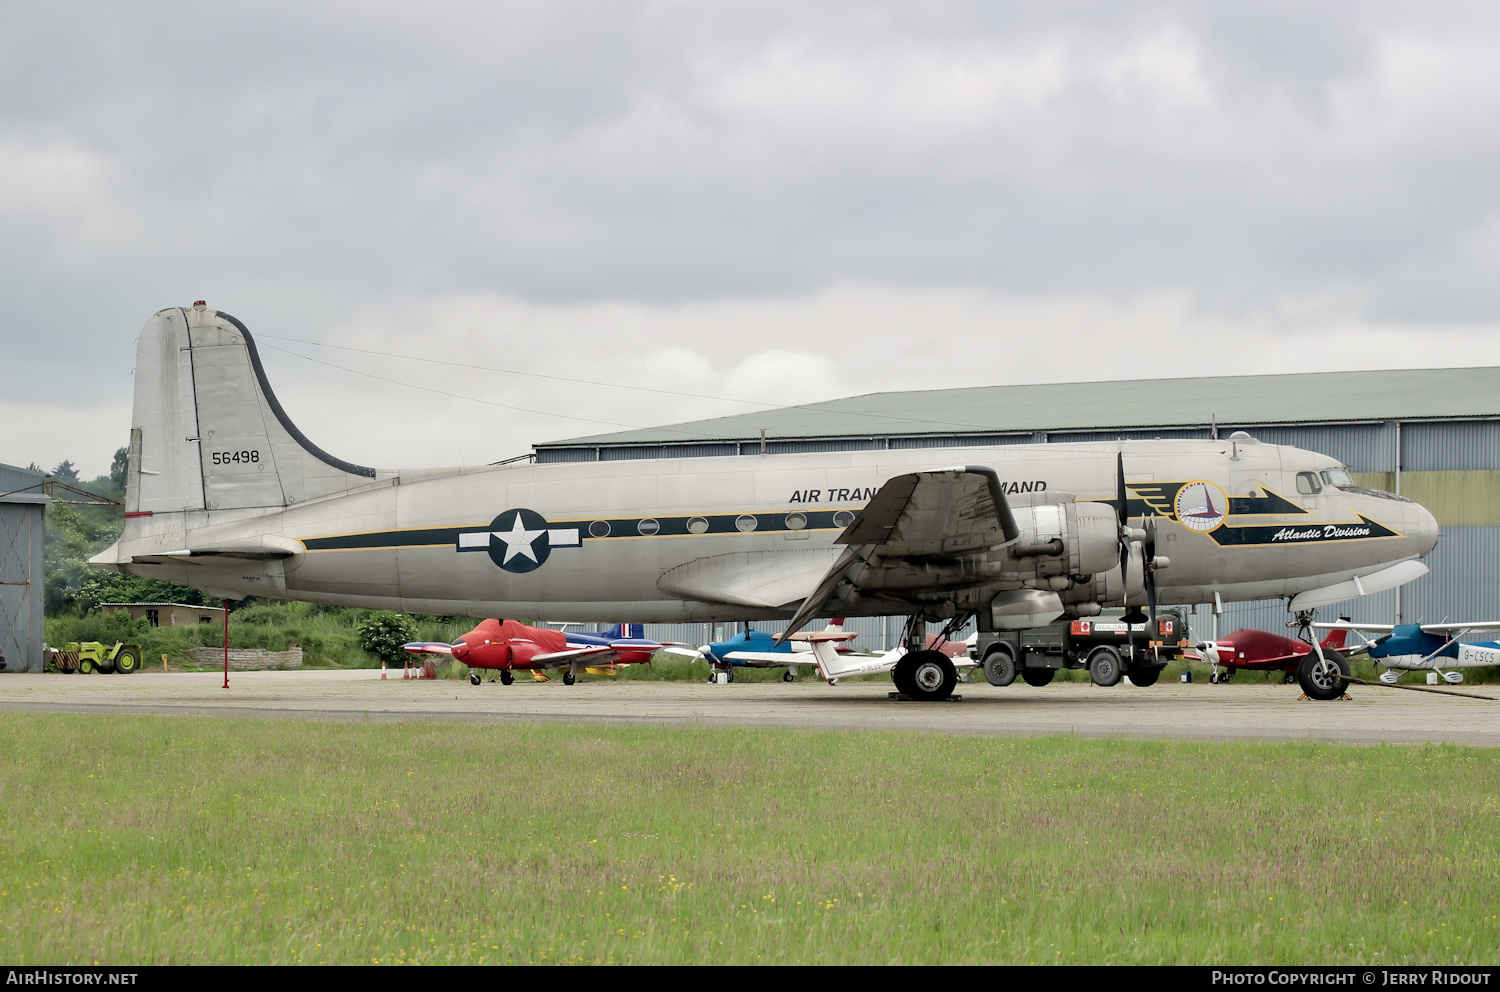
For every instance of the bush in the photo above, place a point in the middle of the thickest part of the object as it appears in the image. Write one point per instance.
(382, 633)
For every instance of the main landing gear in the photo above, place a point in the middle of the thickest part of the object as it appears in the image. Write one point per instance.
(506, 676)
(787, 676)
(923, 675)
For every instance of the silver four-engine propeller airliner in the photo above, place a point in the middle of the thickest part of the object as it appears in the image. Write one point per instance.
(226, 494)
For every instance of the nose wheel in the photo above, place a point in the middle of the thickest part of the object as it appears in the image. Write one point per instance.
(474, 678)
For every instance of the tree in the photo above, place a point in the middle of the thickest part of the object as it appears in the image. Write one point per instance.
(117, 471)
(65, 470)
(382, 632)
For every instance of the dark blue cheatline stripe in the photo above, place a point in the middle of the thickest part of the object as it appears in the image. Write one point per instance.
(619, 527)
(435, 537)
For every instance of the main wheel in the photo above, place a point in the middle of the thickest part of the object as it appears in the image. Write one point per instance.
(1323, 678)
(507, 676)
(787, 676)
(1037, 676)
(474, 678)
(1104, 666)
(930, 677)
(1144, 675)
(569, 678)
(1000, 666)
(127, 661)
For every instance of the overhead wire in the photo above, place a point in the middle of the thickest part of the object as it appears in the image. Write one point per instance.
(535, 375)
(570, 379)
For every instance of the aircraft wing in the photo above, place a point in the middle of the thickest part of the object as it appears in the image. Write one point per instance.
(1443, 628)
(935, 515)
(762, 658)
(427, 647)
(1427, 628)
(593, 654)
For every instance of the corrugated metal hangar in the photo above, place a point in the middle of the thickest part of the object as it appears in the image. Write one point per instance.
(1430, 434)
(23, 545)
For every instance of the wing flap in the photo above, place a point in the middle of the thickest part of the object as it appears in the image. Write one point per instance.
(944, 513)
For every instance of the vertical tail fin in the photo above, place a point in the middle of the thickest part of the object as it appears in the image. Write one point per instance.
(207, 431)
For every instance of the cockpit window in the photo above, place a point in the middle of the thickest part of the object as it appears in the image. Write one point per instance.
(1336, 477)
(1307, 483)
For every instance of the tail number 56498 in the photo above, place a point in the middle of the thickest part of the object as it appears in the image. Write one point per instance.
(235, 457)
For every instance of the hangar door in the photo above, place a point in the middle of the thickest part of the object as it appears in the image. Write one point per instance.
(22, 546)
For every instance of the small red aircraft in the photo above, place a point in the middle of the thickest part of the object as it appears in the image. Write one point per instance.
(507, 646)
(1262, 651)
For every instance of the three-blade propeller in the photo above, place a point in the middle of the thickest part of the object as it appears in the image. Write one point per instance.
(1149, 561)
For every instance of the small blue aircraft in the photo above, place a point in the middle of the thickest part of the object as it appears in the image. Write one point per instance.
(1412, 647)
(757, 649)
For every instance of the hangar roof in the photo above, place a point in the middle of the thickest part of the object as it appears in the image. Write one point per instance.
(22, 485)
(1291, 398)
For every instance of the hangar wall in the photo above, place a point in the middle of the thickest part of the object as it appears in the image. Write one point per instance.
(22, 555)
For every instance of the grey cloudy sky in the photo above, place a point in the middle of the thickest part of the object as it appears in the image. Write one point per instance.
(758, 201)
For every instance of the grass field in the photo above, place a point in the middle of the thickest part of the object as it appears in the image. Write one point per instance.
(161, 839)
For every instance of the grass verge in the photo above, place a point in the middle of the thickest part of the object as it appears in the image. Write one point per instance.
(178, 840)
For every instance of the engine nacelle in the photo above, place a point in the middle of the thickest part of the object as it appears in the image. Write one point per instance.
(1067, 538)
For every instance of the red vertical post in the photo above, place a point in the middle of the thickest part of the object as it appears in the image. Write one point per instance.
(226, 643)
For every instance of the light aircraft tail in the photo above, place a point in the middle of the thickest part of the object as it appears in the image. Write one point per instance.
(207, 432)
(625, 631)
(1335, 639)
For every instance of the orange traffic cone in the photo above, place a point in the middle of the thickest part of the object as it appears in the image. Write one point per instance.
(382, 669)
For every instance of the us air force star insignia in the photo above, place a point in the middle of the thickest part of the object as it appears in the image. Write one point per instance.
(519, 540)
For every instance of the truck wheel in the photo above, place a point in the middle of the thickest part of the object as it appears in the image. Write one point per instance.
(86, 666)
(1037, 676)
(1323, 678)
(1144, 675)
(929, 676)
(127, 661)
(1104, 666)
(1000, 666)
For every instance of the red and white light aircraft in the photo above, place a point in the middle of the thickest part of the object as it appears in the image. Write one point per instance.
(508, 646)
(1322, 671)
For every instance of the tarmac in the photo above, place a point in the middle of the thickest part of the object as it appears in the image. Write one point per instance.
(1173, 711)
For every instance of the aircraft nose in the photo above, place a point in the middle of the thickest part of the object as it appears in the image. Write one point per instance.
(1426, 531)
(460, 650)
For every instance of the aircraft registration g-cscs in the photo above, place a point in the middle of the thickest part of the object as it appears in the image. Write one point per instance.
(226, 494)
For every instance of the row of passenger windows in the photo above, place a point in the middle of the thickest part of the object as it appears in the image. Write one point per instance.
(744, 523)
